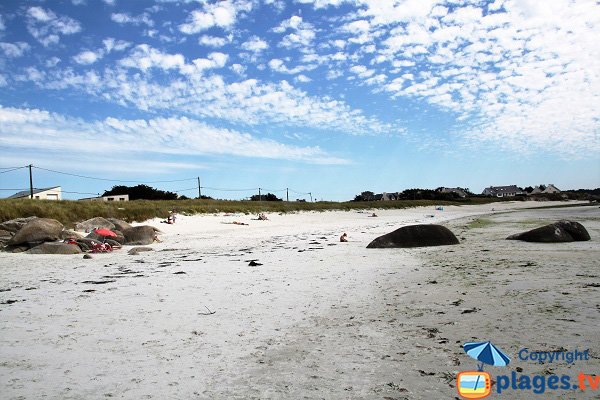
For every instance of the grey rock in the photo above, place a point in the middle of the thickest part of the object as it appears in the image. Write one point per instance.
(38, 230)
(15, 224)
(139, 235)
(55, 248)
(137, 250)
(559, 232)
(97, 222)
(415, 236)
(119, 224)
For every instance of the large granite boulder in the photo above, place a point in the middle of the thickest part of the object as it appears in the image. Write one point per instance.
(119, 224)
(139, 235)
(558, 232)
(38, 230)
(415, 236)
(97, 222)
(55, 248)
(67, 234)
(15, 224)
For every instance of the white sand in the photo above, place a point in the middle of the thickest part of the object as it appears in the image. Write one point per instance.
(318, 318)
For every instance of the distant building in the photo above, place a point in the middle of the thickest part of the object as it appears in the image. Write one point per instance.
(117, 197)
(458, 191)
(386, 196)
(545, 190)
(51, 193)
(502, 191)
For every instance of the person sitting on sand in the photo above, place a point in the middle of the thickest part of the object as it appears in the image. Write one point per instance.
(344, 237)
(373, 215)
(262, 217)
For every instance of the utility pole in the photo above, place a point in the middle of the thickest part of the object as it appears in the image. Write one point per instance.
(199, 190)
(310, 196)
(259, 195)
(287, 194)
(30, 182)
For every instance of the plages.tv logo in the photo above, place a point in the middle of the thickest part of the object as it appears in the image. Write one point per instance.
(478, 384)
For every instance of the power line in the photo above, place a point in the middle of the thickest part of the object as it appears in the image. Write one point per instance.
(11, 169)
(110, 180)
(229, 190)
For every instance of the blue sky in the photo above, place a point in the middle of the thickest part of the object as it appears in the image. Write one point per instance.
(331, 97)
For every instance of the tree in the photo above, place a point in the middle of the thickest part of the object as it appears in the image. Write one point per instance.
(365, 196)
(141, 192)
(265, 197)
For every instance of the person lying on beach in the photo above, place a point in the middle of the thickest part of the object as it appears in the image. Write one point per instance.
(235, 223)
(344, 237)
(373, 215)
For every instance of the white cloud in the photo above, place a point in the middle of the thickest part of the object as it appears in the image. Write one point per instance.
(255, 44)
(52, 62)
(110, 44)
(222, 14)
(279, 66)
(2, 25)
(214, 41)
(124, 18)
(47, 27)
(39, 130)
(88, 57)
(302, 33)
(302, 78)
(14, 50)
(144, 57)
(238, 69)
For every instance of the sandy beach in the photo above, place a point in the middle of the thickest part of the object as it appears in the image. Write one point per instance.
(316, 319)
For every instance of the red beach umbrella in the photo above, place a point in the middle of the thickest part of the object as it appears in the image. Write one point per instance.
(105, 232)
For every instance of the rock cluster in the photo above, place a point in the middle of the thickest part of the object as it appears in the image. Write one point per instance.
(48, 236)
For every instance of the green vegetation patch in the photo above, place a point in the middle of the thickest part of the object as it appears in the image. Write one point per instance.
(480, 223)
(71, 211)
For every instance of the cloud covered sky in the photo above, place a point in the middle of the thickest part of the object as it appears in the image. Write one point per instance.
(327, 96)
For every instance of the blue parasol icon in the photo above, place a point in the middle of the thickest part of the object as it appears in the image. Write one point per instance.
(487, 353)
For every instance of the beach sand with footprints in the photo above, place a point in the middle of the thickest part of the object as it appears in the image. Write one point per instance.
(280, 309)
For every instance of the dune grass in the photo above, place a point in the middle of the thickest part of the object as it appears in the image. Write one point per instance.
(71, 211)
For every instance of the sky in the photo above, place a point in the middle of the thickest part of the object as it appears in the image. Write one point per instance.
(327, 97)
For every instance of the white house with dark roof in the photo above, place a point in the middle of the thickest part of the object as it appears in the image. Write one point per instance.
(502, 191)
(51, 193)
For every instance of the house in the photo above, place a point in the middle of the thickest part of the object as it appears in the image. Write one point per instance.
(502, 191)
(545, 189)
(116, 197)
(51, 193)
(460, 192)
(386, 196)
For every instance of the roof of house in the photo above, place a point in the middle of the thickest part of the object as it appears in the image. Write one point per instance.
(27, 193)
(509, 188)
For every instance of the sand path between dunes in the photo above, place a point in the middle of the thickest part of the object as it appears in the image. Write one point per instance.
(318, 319)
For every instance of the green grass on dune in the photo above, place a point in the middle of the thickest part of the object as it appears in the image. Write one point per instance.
(71, 211)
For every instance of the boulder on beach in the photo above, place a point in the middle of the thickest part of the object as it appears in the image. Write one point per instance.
(559, 232)
(38, 230)
(415, 236)
(55, 248)
(119, 224)
(140, 235)
(14, 225)
(134, 251)
(97, 222)
(67, 234)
